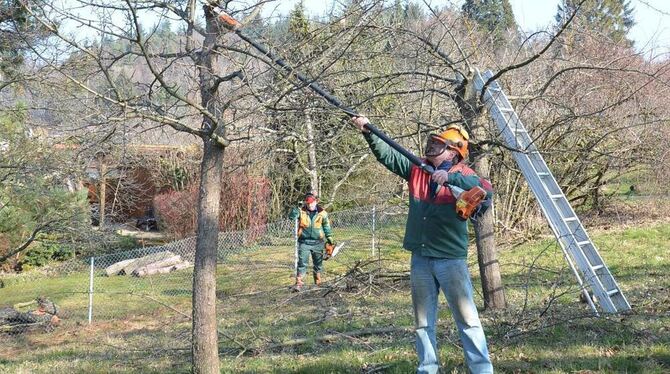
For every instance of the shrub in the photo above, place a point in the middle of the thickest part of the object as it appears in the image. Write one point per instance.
(46, 248)
(243, 204)
(176, 211)
(38, 254)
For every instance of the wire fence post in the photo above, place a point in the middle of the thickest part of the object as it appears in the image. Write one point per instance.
(295, 239)
(374, 222)
(90, 292)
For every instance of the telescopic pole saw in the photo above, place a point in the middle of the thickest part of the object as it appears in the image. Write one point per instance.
(233, 25)
(466, 201)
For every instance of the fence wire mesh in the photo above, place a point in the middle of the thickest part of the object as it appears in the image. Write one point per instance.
(255, 272)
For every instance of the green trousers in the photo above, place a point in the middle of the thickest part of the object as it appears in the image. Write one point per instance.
(304, 251)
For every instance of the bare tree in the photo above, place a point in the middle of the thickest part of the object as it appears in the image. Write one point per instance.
(132, 81)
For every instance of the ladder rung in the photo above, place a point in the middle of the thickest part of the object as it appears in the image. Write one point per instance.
(583, 243)
(612, 292)
(597, 267)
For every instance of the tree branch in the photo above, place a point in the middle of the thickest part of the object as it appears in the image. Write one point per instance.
(532, 58)
(28, 241)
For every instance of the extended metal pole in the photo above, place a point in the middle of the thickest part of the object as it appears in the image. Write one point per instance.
(232, 24)
(295, 258)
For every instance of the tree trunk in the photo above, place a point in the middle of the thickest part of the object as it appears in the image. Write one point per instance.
(311, 155)
(102, 196)
(205, 343)
(487, 254)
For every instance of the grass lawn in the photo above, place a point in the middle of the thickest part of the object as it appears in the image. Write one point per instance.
(142, 325)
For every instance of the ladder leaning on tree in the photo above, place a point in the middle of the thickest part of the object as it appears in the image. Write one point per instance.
(579, 250)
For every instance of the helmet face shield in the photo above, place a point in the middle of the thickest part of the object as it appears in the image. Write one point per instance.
(456, 138)
(435, 146)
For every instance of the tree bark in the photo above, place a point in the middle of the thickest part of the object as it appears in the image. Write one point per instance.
(205, 339)
(204, 344)
(487, 254)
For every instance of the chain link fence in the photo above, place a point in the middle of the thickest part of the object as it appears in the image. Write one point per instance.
(255, 272)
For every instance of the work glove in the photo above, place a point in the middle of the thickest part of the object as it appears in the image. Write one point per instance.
(330, 240)
(440, 177)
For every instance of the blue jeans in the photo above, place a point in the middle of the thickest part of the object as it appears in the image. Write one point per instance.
(427, 276)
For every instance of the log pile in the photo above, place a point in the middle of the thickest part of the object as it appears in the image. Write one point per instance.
(155, 263)
(14, 321)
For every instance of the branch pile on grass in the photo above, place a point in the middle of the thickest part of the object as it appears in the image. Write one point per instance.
(155, 263)
(368, 275)
(14, 321)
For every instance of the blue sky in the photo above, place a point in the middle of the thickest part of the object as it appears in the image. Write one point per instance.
(651, 31)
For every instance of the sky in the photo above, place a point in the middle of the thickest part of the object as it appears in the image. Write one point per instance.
(651, 32)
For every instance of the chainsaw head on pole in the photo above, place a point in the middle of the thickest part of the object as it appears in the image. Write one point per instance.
(226, 19)
(332, 250)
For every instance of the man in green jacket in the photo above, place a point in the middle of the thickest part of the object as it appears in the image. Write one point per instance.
(438, 240)
(313, 230)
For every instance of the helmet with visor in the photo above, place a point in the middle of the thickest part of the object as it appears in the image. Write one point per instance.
(454, 137)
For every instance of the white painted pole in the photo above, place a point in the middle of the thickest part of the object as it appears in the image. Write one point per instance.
(295, 237)
(374, 223)
(90, 292)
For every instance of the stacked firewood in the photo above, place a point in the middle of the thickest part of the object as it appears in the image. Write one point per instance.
(155, 263)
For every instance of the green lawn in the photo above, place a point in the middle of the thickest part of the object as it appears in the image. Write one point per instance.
(142, 325)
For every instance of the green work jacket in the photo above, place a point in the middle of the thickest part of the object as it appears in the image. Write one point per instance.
(311, 227)
(433, 228)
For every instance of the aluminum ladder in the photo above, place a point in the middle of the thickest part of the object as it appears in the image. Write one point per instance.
(579, 250)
